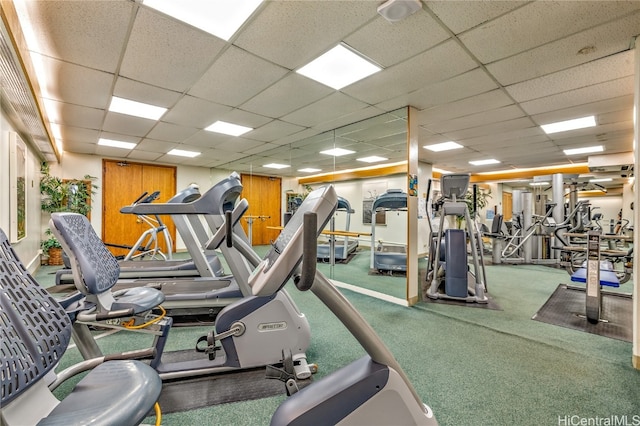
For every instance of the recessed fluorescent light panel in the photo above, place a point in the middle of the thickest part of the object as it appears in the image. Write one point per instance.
(183, 153)
(137, 109)
(228, 128)
(600, 180)
(339, 67)
(116, 144)
(539, 183)
(220, 18)
(309, 170)
(372, 159)
(337, 152)
(444, 146)
(563, 126)
(484, 162)
(585, 150)
(275, 166)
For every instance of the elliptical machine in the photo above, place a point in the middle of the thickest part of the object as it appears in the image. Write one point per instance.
(448, 274)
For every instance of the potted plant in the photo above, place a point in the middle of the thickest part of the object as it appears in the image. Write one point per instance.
(52, 247)
(62, 195)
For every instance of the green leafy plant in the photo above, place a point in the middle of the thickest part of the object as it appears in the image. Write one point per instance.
(49, 242)
(72, 195)
(482, 201)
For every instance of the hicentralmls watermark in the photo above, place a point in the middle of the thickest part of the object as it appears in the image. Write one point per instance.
(613, 420)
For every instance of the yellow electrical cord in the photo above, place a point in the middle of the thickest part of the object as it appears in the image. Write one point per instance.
(158, 414)
(130, 324)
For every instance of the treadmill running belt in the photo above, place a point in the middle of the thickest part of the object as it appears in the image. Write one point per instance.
(566, 308)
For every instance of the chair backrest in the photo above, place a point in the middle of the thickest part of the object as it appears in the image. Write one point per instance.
(95, 269)
(34, 329)
(496, 224)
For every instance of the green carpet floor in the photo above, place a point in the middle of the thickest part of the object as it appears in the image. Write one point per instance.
(472, 366)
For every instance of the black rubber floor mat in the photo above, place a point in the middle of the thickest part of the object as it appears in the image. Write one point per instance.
(566, 308)
(491, 304)
(218, 389)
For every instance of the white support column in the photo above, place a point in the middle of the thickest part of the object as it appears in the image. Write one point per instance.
(413, 286)
(636, 214)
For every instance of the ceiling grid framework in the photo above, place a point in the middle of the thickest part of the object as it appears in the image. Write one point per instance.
(485, 74)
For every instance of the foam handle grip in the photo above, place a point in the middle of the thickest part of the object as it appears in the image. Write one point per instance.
(228, 222)
(309, 251)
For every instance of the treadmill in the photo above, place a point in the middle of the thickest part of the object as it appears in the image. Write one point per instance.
(342, 247)
(387, 256)
(201, 264)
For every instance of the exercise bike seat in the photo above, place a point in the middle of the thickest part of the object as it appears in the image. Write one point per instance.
(96, 271)
(35, 331)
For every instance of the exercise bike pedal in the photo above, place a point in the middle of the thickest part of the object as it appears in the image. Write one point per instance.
(211, 347)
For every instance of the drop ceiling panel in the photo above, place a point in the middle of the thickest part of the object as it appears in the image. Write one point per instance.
(247, 73)
(194, 112)
(287, 95)
(440, 63)
(88, 33)
(274, 130)
(472, 14)
(350, 117)
(292, 33)
(127, 124)
(491, 129)
(79, 147)
(139, 155)
(171, 132)
(166, 53)
(622, 103)
(388, 44)
(77, 85)
(75, 115)
(589, 74)
(538, 23)
(585, 46)
(597, 92)
(154, 145)
(474, 120)
(239, 145)
(471, 105)
(327, 109)
(145, 93)
(78, 134)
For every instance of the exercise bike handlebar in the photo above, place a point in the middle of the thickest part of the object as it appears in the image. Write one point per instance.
(309, 252)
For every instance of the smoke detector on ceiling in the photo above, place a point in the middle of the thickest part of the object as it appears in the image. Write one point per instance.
(397, 10)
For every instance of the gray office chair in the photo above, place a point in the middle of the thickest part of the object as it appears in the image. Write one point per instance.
(34, 333)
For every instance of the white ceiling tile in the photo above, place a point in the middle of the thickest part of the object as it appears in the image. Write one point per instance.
(622, 103)
(107, 151)
(494, 128)
(195, 112)
(287, 95)
(490, 116)
(204, 138)
(390, 43)
(80, 85)
(166, 53)
(609, 68)
(349, 117)
(79, 147)
(140, 92)
(448, 111)
(243, 118)
(236, 68)
(292, 33)
(601, 41)
(88, 33)
(79, 134)
(239, 145)
(597, 92)
(538, 23)
(143, 155)
(127, 124)
(274, 130)
(326, 109)
(154, 145)
(460, 16)
(171, 132)
(440, 63)
(75, 115)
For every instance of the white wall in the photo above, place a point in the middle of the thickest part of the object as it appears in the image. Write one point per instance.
(28, 248)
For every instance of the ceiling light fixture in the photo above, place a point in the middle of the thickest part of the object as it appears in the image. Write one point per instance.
(372, 159)
(309, 170)
(183, 153)
(228, 128)
(337, 152)
(276, 166)
(585, 150)
(564, 126)
(220, 18)
(116, 144)
(339, 67)
(484, 162)
(137, 109)
(397, 10)
(444, 146)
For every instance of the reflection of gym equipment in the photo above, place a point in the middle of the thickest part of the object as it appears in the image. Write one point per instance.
(387, 256)
(201, 263)
(253, 332)
(250, 220)
(343, 247)
(448, 274)
(372, 390)
(34, 338)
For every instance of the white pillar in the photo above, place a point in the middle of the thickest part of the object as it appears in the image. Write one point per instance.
(636, 215)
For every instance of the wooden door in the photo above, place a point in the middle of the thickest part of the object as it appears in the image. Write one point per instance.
(264, 196)
(123, 183)
(507, 205)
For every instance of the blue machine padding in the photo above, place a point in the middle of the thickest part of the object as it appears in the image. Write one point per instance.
(455, 282)
(335, 396)
(607, 277)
